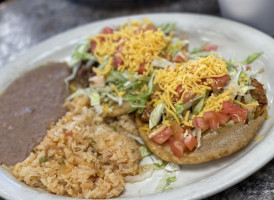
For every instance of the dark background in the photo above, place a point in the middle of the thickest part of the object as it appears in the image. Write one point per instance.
(24, 23)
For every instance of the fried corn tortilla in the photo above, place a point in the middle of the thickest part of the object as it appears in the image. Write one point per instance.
(117, 110)
(228, 140)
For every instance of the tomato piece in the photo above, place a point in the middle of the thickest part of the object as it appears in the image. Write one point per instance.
(248, 68)
(222, 117)
(211, 119)
(120, 48)
(162, 136)
(107, 30)
(93, 46)
(178, 131)
(236, 113)
(151, 28)
(219, 82)
(177, 147)
(117, 60)
(210, 47)
(191, 142)
(188, 96)
(142, 68)
(200, 122)
(180, 90)
(179, 58)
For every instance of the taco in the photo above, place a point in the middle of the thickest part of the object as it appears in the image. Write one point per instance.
(202, 110)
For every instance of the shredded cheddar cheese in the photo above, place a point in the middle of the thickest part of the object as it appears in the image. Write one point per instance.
(134, 43)
(259, 138)
(215, 103)
(194, 76)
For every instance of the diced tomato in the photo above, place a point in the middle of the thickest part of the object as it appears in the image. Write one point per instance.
(107, 30)
(210, 47)
(179, 90)
(163, 136)
(191, 142)
(93, 46)
(219, 82)
(188, 96)
(248, 68)
(178, 147)
(178, 131)
(199, 122)
(120, 48)
(222, 117)
(117, 60)
(236, 113)
(142, 68)
(178, 58)
(211, 118)
(150, 28)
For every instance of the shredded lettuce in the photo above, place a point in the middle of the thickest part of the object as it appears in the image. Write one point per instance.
(115, 76)
(165, 182)
(172, 167)
(179, 108)
(81, 52)
(157, 160)
(159, 166)
(251, 58)
(139, 102)
(199, 106)
(73, 75)
(93, 95)
(119, 100)
(168, 27)
(156, 114)
(198, 50)
(162, 63)
(199, 54)
(170, 179)
(144, 151)
(233, 83)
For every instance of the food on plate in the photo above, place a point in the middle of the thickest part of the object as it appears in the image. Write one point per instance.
(202, 110)
(189, 107)
(82, 156)
(28, 106)
(116, 65)
(92, 150)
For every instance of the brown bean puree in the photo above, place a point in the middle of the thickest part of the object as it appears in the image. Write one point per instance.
(27, 108)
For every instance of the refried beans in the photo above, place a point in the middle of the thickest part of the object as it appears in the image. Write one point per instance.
(28, 107)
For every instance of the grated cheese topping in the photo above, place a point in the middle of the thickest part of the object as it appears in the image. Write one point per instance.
(134, 43)
(194, 77)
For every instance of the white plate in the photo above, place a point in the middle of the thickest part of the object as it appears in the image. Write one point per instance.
(193, 181)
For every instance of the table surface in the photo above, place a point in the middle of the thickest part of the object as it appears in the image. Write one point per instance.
(25, 23)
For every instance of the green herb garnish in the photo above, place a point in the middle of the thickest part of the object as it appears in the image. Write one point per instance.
(43, 159)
